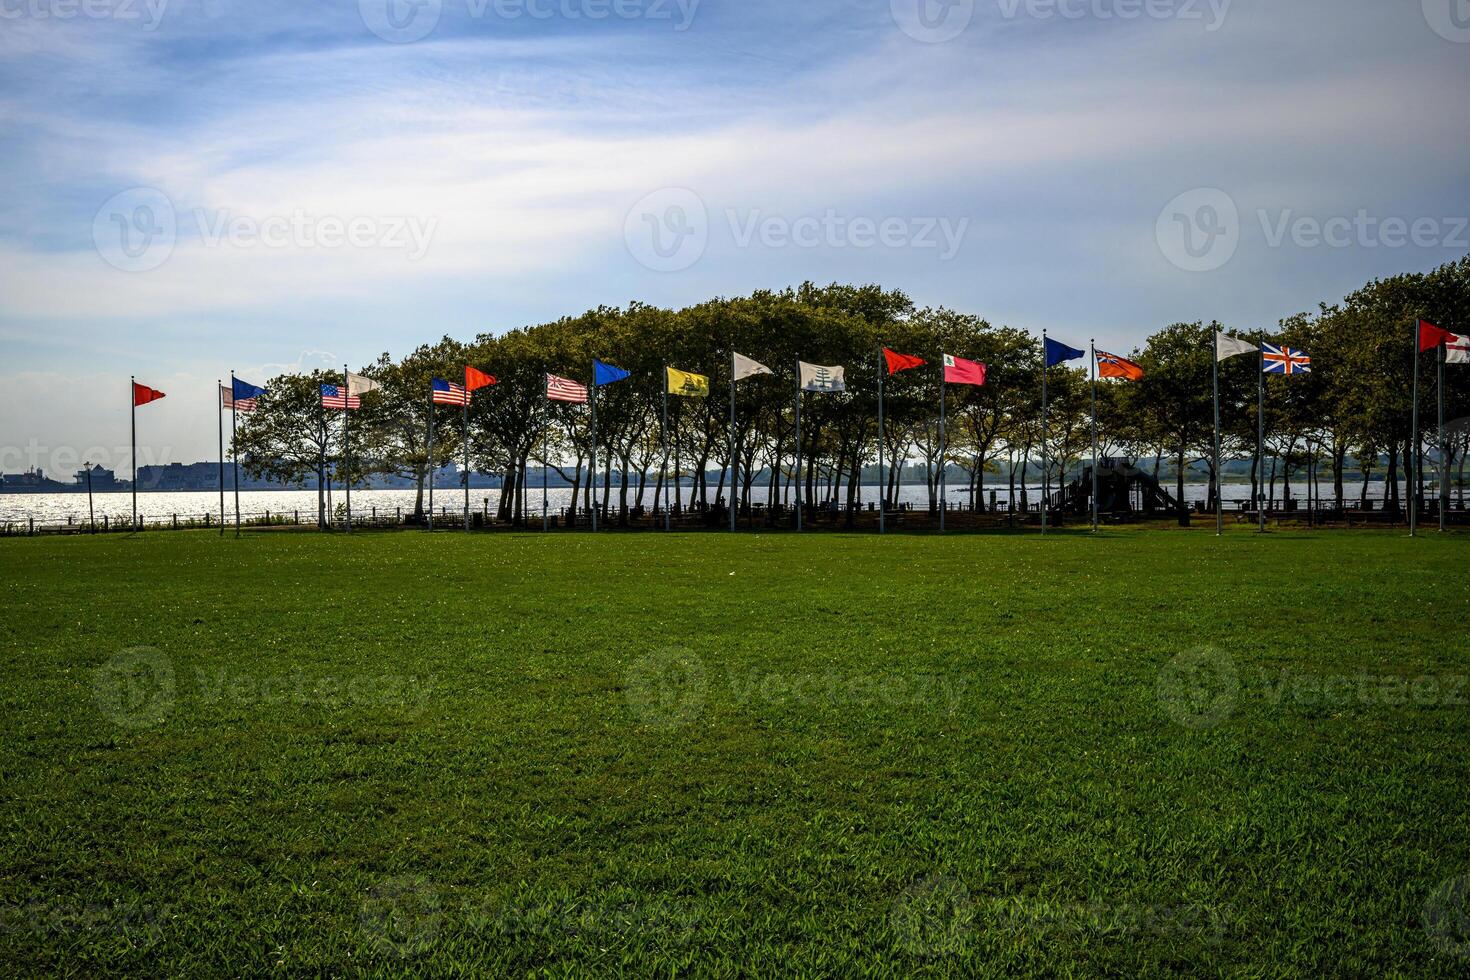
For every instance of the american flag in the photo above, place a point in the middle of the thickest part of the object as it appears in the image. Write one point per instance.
(560, 389)
(1284, 360)
(449, 393)
(334, 397)
(227, 400)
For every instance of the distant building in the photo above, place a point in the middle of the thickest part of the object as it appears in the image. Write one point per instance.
(102, 479)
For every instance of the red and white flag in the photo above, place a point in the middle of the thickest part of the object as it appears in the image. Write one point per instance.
(228, 401)
(560, 389)
(958, 371)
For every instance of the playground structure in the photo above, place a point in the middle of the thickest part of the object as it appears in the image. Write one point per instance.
(1122, 489)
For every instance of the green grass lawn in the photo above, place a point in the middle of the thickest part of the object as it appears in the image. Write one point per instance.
(1135, 752)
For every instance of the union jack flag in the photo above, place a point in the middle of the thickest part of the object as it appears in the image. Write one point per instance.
(334, 397)
(1284, 360)
(449, 393)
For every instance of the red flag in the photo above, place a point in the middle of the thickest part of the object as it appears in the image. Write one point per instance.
(475, 380)
(958, 371)
(1431, 336)
(1113, 366)
(142, 394)
(901, 362)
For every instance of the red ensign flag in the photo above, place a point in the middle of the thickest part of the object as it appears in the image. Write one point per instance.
(142, 394)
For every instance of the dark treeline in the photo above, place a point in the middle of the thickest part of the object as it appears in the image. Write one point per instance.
(1355, 404)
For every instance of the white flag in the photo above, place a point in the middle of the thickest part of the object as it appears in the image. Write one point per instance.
(358, 385)
(1457, 351)
(1227, 346)
(747, 368)
(815, 377)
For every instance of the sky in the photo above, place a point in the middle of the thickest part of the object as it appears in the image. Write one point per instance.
(200, 186)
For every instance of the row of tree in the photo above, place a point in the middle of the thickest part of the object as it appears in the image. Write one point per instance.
(1354, 407)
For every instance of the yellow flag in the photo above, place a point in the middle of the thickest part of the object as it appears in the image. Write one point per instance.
(688, 385)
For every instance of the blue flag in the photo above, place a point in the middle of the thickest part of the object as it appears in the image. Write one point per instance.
(1057, 352)
(606, 374)
(244, 390)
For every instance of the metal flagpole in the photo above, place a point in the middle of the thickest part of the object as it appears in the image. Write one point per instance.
(1444, 447)
(943, 448)
(546, 456)
(592, 486)
(882, 483)
(1414, 457)
(1045, 477)
(1261, 437)
(663, 434)
(467, 454)
(799, 498)
(1093, 344)
(1215, 384)
(219, 416)
(133, 401)
(234, 450)
(734, 449)
(346, 465)
(431, 458)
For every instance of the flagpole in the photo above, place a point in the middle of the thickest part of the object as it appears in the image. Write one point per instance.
(346, 466)
(882, 483)
(546, 455)
(1415, 462)
(799, 499)
(431, 457)
(467, 452)
(663, 434)
(1444, 447)
(1093, 344)
(1215, 385)
(1045, 476)
(1261, 437)
(592, 486)
(734, 449)
(234, 450)
(943, 447)
(219, 416)
(133, 400)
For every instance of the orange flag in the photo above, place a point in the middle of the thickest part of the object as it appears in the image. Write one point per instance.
(475, 380)
(1113, 366)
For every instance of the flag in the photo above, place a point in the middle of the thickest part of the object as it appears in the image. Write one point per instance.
(358, 385)
(229, 400)
(958, 371)
(1431, 336)
(606, 374)
(1227, 346)
(334, 397)
(448, 393)
(1285, 360)
(901, 362)
(815, 377)
(474, 379)
(1457, 351)
(560, 389)
(1057, 352)
(1113, 366)
(747, 368)
(142, 394)
(686, 384)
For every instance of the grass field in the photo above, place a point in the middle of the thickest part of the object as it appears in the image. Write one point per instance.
(1135, 752)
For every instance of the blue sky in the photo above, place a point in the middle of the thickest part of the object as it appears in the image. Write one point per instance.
(201, 185)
